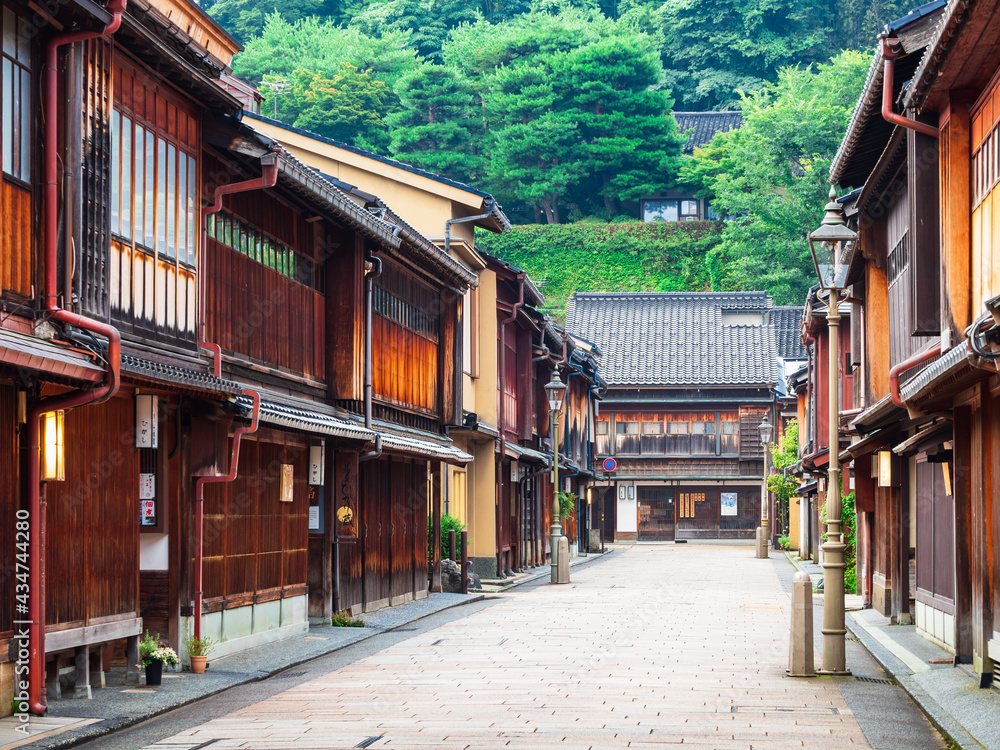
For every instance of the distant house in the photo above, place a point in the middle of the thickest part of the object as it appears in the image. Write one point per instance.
(700, 128)
(690, 378)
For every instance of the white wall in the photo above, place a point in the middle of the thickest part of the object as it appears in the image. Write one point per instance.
(154, 552)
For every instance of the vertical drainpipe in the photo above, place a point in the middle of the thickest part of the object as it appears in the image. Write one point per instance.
(500, 412)
(268, 179)
(371, 274)
(199, 497)
(49, 306)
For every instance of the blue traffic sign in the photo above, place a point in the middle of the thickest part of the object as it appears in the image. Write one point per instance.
(610, 464)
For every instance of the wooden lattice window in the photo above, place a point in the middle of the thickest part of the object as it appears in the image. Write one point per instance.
(15, 95)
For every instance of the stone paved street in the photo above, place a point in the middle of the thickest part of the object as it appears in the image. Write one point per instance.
(659, 645)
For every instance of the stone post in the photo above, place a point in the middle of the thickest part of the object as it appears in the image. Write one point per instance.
(800, 646)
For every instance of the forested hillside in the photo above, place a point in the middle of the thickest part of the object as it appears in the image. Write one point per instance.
(563, 110)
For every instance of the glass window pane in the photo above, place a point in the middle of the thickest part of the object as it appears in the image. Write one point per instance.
(25, 165)
(126, 136)
(115, 171)
(161, 195)
(7, 124)
(139, 180)
(192, 203)
(171, 201)
(182, 207)
(652, 428)
(23, 46)
(9, 32)
(601, 428)
(677, 428)
(227, 231)
(150, 201)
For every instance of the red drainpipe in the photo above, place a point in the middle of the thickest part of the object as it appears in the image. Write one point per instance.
(905, 365)
(199, 512)
(50, 217)
(890, 55)
(268, 179)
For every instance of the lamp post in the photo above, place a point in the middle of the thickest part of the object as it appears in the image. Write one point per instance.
(833, 238)
(763, 536)
(556, 391)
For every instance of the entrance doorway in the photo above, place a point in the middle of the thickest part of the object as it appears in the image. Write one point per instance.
(656, 514)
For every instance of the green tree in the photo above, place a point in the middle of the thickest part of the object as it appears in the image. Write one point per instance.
(345, 107)
(771, 175)
(715, 47)
(427, 21)
(322, 47)
(436, 128)
(246, 18)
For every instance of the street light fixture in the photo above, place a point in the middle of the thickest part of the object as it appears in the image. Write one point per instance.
(763, 537)
(556, 391)
(830, 243)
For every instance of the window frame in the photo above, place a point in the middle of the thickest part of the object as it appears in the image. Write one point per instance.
(17, 134)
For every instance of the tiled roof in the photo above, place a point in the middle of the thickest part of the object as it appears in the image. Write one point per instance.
(676, 339)
(787, 322)
(704, 126)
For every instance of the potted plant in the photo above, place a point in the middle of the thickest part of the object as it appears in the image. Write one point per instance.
(153, 655)
(198, 650)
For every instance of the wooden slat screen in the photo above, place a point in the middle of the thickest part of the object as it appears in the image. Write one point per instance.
(16, 265)
(254, 542)
(91, 276)
(92, 545)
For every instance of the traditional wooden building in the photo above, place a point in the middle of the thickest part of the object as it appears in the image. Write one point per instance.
(690, 377)
(924, 277)
(214, 332)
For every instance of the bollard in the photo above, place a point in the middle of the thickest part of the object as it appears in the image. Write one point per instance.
(761, 544)
(800, 645)
(451, 545)
(465, 562)
(563, 560)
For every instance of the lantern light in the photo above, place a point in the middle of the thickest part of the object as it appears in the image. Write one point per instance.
(53, 458)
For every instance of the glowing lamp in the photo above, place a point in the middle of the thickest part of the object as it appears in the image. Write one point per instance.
(53, 458)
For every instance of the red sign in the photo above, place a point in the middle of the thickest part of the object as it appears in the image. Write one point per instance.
(610, 465)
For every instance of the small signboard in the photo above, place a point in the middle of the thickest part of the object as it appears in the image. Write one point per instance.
(314, 518)
(610, 465)
(287, 483)
(147, 486)
(729, 503)
(147, 513)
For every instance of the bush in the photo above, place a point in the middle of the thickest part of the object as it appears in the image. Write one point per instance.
(590, 256)
(448, 523)
(344, 620)
(784, 542)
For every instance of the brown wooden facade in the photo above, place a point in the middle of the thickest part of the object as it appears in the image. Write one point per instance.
(283, 269)
(924, 279)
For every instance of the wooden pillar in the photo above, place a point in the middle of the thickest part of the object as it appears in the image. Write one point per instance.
(956, 214)
(981, 538)
(52, 687)
(437, 470)
(962, 468)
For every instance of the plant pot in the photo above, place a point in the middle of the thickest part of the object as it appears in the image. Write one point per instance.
(198, 664)
(154, 673)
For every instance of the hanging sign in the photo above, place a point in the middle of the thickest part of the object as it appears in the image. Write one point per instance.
(147, 513)
(317, 458)
(287, 483)
(147, 486)
(146, 417)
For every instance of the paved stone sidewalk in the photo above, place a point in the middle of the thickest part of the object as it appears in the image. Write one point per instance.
(654, 647)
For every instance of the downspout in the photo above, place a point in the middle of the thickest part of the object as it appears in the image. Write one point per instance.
(889, 55)
(370, 275)
(199, 498)
(36, 496)
(501, 420)
(905, 365)
(489, 204)
(268, 179)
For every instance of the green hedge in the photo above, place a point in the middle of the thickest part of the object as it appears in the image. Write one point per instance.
(590, 256)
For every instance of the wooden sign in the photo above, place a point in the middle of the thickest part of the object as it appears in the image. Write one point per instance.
(345, 499)
(287, 483)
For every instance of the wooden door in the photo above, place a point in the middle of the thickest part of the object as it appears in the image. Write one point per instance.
(656, 514)
(697, 513)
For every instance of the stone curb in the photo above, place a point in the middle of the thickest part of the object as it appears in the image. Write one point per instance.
(110, 726)
(574, 562)
(947, 724)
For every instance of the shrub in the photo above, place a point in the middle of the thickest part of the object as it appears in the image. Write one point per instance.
(448, 523)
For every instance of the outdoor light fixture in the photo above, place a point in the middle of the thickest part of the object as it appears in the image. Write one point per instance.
(831, 243)
(53, 463)
(556, 391)
(763, 537)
